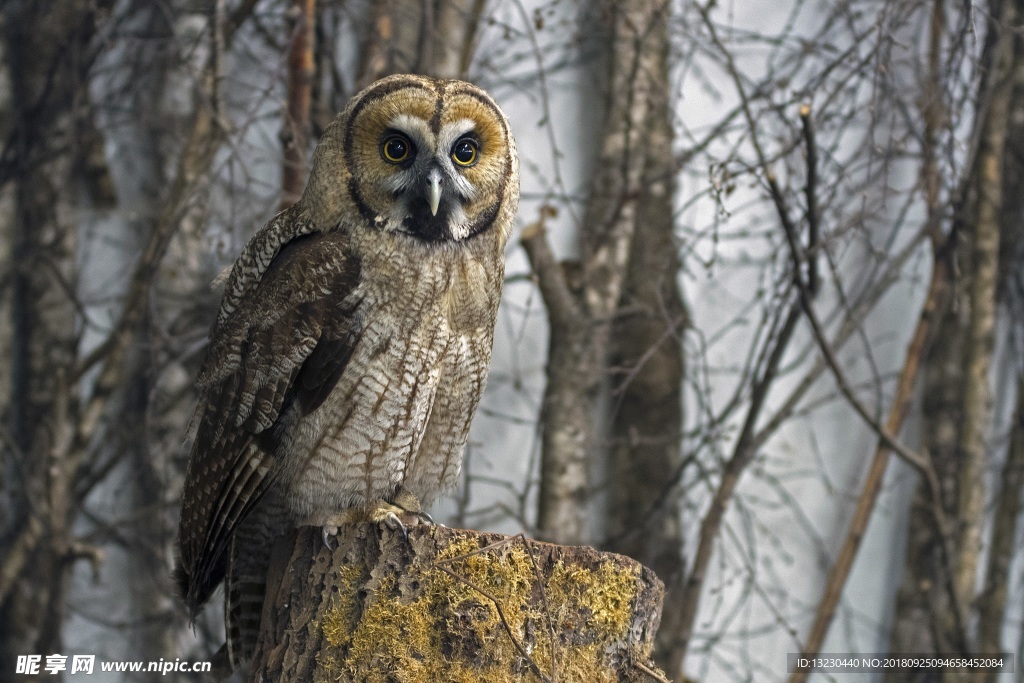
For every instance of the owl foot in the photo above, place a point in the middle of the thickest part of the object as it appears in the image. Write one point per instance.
(402, 512)
(330, 524)
(410, 504)
(390, 519)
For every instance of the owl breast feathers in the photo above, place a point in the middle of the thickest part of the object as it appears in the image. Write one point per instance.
(353, 340)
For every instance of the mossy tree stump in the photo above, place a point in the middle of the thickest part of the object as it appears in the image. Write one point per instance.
(453, 605)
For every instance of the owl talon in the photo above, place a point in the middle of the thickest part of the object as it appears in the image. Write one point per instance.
(393, 522)
(411, 509)
(424, 518)
(327, 533)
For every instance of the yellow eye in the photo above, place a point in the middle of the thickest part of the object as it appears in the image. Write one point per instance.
(396, 149)
(464, 152)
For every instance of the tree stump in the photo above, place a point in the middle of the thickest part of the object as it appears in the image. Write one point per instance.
(453, 605)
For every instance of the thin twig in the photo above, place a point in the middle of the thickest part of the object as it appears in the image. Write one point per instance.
(540, 584)
(887, 443)
(811, 192)
(479, 551)
(743, 453)
(544, 604)
(542, 90)
(651, 672)
(872, 484)
(195, 159)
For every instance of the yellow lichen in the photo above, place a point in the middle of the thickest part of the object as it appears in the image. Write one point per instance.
(607, 593)
(339, 619)
(428, 624)
(392, 641)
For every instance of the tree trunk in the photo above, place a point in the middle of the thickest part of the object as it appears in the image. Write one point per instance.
(295, 127)
(645, 443)
(34, 566)
(474, 606)
(431, 37)
(922, 594)
(456, 25)
(956, 404)
(581, 318)
(983, 248)
(992, 602)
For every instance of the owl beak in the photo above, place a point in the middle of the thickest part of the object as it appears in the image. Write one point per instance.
(434, 191)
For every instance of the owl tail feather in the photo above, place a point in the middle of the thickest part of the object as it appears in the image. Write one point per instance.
(243, 607)
(183, 581)
(194, 592)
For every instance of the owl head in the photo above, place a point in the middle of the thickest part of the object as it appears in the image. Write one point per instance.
(430, 159)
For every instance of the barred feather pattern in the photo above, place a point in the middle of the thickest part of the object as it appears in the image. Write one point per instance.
(352, 343)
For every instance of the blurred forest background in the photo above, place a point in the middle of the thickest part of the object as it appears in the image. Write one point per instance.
(763, 318)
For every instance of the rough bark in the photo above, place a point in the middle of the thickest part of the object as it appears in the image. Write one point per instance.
(474, 606)
(70, 402)
(1011, 241)
(992, 601)
(921, 595)
(645, 442)
(45, 336)
(8, 227)
(983, 247)
(580, 318)
(431, 37)
(295, 127)
(573, 371)
(956, 405)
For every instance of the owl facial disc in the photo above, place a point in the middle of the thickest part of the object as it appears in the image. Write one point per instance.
(429, 160)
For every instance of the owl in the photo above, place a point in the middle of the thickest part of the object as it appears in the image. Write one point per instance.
(353, 339)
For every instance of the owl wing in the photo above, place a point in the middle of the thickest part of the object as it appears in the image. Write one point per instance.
(284, 346)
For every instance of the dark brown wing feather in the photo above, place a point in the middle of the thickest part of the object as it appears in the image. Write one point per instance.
(286, 344)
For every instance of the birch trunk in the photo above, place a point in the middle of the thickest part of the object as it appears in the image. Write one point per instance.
(581, 320)
(647, 365)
